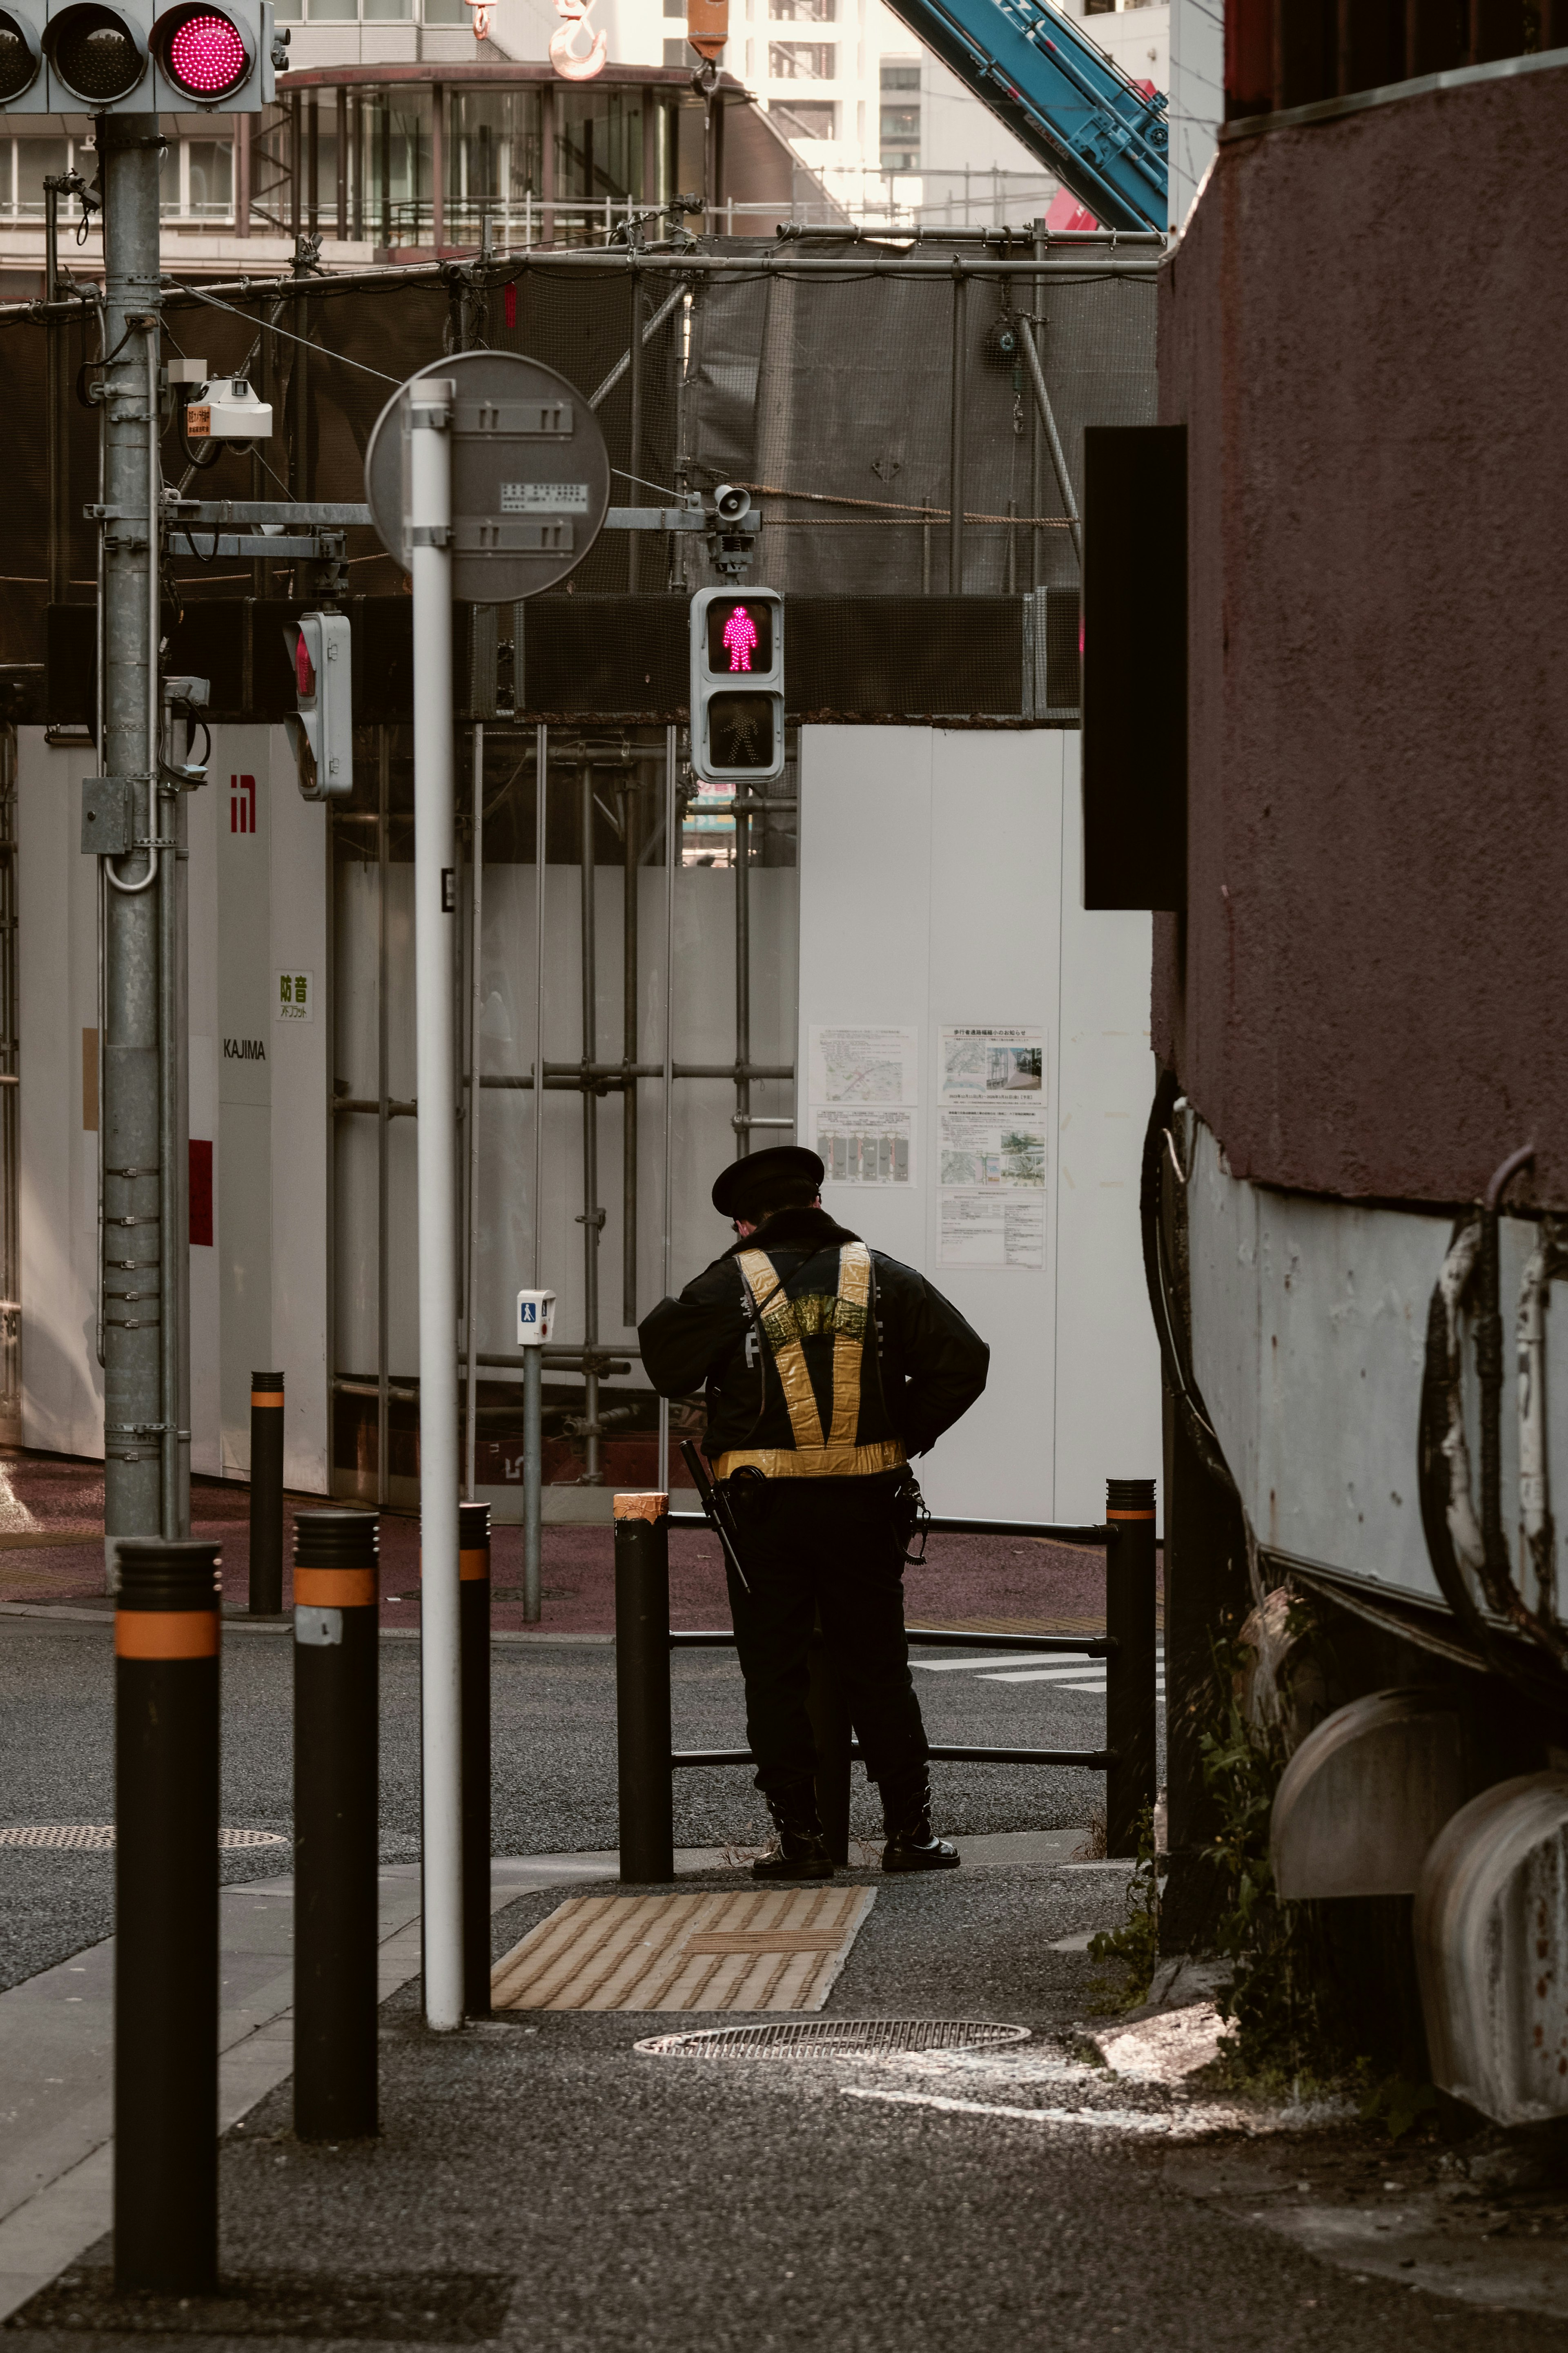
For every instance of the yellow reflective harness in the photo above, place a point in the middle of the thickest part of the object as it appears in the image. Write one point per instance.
(785, 1325)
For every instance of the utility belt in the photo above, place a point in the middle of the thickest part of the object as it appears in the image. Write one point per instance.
(812, 1461)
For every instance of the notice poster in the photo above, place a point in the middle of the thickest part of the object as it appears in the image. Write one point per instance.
(873, 1145)
(991, 1146)
(996, 1229)
(865, 1083)
(856, 1064)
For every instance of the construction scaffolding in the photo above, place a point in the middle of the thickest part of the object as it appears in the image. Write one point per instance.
(909, 421)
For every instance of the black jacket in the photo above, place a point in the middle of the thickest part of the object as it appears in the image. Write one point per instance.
(932, 1365)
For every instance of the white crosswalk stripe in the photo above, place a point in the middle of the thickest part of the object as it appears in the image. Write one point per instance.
(970, 1661)
(1025, 1667)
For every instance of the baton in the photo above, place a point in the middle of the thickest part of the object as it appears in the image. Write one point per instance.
(720, 1519)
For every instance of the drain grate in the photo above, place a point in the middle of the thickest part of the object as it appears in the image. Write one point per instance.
(96, 1838)
(809, 2038)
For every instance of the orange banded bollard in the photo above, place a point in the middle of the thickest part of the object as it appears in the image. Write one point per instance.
(166, 1633)
(474, 1632)
(265, 1494)
(1129, 1620)
(337, 1625)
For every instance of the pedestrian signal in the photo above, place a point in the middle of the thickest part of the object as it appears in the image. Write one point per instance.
(323, 731)
(737, 686)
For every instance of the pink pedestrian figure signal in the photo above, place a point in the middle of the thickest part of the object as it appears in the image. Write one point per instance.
(740, 639)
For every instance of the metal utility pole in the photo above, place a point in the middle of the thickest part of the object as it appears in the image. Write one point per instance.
(146, 1454)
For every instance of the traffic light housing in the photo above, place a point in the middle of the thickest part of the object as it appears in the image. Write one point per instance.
(737, 686)
(322, 732)
(135, 57)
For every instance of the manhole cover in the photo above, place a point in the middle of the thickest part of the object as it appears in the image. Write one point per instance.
(809, 2038)
(97, 1837)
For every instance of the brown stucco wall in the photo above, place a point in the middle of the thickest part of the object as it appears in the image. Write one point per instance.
(1366, 330)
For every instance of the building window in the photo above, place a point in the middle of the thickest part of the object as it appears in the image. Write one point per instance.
(1099, 7)
(801, 60)
(675, 8)
(808, 12)
(804, 117)
(195, 177)
(900, 139)
(680, 52)
(901, 77)
(372, 12)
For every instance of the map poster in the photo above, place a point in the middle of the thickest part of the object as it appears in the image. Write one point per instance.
(864, 1065)
(872, 1146)
(998, 1058)
(993, 1229)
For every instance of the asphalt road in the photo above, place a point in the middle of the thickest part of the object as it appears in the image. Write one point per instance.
(553, 1745)
(539, 2185)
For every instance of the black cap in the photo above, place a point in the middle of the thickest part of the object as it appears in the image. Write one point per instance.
(744, 1179)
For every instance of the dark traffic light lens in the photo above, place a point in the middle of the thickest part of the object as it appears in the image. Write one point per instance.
(18, 59)
(203, 53)
(96, 54)
(740, 636)
(740, 731)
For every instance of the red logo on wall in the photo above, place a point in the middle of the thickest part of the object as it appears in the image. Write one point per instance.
(201, 1190)
(242, 804)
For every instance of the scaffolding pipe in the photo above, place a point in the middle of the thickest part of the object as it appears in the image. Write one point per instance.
(1053, 442)
(631, 802)
(956, 445)
(475, 1009)
(671, 861)
(566, 1076)
(593, 1217)
(634, 460)
(383, 1119)
(742, 1119)
(541, 794)
(1036, 441)
(56, 446)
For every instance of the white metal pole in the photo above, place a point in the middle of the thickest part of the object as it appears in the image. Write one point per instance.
(435, 909)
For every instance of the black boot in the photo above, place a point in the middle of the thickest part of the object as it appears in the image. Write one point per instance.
(906, 1815)
(802, 1849)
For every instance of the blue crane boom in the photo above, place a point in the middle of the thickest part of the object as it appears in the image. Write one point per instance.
(1060, 96)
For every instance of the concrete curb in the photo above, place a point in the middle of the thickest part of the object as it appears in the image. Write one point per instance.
(62, 1612)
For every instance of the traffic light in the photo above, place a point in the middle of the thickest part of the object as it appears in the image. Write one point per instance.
(71, 57)
(322, 734)
(737, 686)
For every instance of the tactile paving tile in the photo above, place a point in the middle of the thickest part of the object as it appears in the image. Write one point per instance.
(762, 1949)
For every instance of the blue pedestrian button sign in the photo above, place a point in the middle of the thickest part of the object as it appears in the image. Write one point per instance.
(535, 1313)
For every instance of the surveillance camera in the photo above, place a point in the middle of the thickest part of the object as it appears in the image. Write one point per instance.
(732, 505)
(226, 410)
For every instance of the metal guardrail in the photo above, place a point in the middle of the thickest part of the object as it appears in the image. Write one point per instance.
(644, 1639)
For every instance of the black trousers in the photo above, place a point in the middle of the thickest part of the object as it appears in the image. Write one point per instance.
(834, 1550)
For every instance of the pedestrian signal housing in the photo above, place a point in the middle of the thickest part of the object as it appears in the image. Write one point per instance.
(737, 686)
(322, 730)
(68, 57)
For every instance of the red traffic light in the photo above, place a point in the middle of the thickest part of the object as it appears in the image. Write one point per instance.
(203, 53)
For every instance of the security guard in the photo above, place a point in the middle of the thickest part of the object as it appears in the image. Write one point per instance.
(827, 1366)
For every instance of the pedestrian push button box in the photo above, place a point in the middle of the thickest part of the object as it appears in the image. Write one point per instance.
(737, 686)
(535, 1314)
